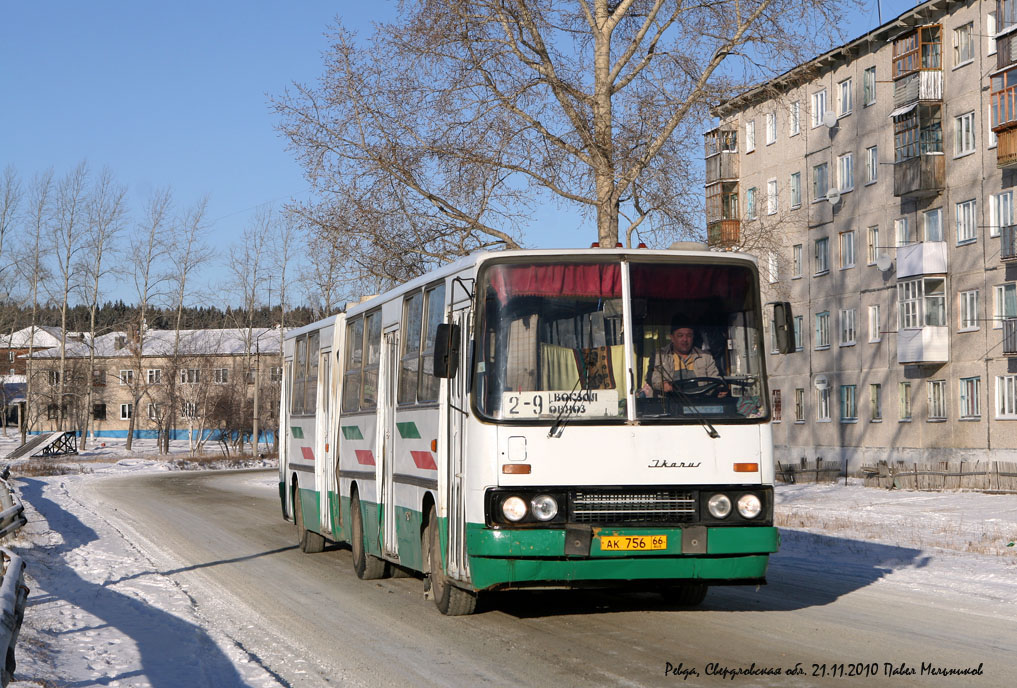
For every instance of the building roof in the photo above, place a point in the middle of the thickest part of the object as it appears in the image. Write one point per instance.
(160, 343)
(799, 74)
(45, 337)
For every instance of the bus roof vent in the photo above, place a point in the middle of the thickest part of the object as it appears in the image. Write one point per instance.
(688, 246)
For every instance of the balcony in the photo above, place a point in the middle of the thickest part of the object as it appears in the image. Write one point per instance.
(923, 258)
(919, 177)
(929, 344)
(1008, 243)
(724, 233)
(1006, 147)
(1010, 337)
(926, 85)
(722, 166)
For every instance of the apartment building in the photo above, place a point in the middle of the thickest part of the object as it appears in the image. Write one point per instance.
(876, 185)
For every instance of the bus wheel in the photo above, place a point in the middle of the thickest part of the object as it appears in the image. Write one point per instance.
(367, 566)
(686, 594)
(451, 601)
(309, 542)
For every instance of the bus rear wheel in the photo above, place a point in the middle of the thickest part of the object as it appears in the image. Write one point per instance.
(450, 600)
(310, 542)
(367, 566)
(686, 594)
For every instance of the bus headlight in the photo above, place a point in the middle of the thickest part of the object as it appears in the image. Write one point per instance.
(719, 506)
(545, 507)
(749, 506)
(514, 509)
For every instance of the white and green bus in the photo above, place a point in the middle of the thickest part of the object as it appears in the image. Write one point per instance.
(493, 426)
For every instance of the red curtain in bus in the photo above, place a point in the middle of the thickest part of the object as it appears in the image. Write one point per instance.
(601, 280)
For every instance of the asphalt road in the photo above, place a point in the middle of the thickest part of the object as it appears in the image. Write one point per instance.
(311, 622)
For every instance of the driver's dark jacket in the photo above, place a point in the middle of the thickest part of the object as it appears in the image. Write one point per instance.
(663, 368)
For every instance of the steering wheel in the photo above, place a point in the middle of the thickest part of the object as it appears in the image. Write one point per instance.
(700, 386)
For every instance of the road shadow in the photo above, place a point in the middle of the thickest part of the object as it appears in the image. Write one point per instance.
(809, 570)
(172, 652)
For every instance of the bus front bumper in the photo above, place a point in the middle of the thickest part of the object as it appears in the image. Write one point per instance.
(506, 558)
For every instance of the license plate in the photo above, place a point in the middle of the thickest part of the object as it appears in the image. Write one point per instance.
(632, 543)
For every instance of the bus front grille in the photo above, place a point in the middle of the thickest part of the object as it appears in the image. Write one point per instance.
(645, 506)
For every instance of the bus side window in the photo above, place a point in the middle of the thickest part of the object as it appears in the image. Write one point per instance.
(372, 359)
(412, 314)
(435, 309)
(311, 378)
(354, 364)
(297, 380)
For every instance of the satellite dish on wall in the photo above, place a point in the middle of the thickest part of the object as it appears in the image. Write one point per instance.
(884, 262)
(822, 383)
(833, 196)
(829, 120)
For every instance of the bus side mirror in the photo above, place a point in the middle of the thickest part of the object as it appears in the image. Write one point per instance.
(784, 327)
(446, 350)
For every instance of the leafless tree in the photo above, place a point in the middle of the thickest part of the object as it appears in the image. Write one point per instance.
(442, 133)
(326, 284)
(106, 214)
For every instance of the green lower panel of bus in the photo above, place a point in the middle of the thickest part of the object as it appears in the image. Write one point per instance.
(507, 557)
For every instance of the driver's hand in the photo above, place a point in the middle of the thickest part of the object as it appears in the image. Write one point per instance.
(667, 386)
(722, 393)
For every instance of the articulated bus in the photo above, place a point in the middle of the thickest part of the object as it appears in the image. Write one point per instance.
(524, 419)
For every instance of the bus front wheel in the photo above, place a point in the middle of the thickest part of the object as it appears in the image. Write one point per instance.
(685, 595)
(450, 600)
(367, 566)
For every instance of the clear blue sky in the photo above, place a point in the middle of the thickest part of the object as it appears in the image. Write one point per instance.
(175, 94)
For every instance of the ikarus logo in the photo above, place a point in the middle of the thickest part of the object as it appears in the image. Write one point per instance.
(664, 463)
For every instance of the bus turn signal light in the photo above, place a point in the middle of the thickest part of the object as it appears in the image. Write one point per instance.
(516, 468)
(746, 467)
(434, 445)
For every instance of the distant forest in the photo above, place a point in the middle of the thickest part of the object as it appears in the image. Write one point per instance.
(119, 316)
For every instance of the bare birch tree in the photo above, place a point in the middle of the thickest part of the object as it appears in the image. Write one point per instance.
(106, 215)
(444, 131)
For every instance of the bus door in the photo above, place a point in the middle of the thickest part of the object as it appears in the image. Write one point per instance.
(324, 478)
(389, 365)
(458, 566)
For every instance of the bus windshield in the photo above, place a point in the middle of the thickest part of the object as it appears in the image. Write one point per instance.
(551, 342)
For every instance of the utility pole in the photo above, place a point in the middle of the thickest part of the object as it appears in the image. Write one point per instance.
(257, 384)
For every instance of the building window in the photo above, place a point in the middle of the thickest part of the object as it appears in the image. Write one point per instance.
(875, 334)
(750, 203)
(798, 332)
(964, 134)
(190, 376)
(965, 216)
(155, 376)
(970, 405)
(818, 107)
(902, 229)
(125, 411)
(275, 374)
(795, 119)
(54, 377)
(847, 326)
(52, 411)
(908, 297)
(990, 33)
(822, 255)
(98, 411)
(776, 405)
(796, 261)
(799, 405)
(869, 86)
(823, 330)
(1004, 304)
(847, 250)
(963, 44)
(904, 400)
(823, 404)
(796, 189)
(1000, 212)
(846, 172)
(750, 136)
(1006, 396)
(937, 399)
(933, 224)
(771, 264)
(820, 182)
(873, 248)
(189, 409)
(844, 98)
(876, 402)
(848, 404)
(871, 164)
(220, 376)
(771, 128)
(771, 197)
(935, 301)
(99, 378)
(968, 310)
(127, 377)
(153, 411)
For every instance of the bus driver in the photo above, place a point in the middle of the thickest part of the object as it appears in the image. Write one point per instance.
(679, 359)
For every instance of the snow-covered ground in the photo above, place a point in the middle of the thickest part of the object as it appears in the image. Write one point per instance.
(956, 542)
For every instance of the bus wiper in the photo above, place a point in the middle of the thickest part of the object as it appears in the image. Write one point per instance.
(691, 404)
(564, 413)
